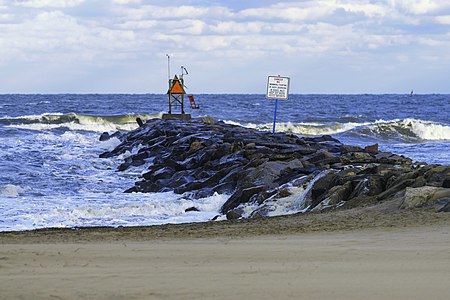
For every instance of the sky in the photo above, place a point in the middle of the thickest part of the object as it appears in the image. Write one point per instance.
(324, 46)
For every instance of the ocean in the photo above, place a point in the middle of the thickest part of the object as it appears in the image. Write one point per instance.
(51, 174)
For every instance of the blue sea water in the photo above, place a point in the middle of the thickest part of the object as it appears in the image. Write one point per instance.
(51, 176)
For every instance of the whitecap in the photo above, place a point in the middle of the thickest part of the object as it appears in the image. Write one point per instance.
(11, 190)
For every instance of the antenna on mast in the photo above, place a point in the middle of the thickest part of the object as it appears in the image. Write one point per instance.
(168, 68)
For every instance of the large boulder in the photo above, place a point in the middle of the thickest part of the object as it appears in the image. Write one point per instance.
(424, 196)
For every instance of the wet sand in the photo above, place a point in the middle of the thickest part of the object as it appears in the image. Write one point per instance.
(356, 254)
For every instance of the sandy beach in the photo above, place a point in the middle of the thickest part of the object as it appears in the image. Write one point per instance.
(364, 253)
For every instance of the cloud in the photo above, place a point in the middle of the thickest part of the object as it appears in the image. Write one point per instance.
(304, 11)
(445, 20)
(126, 2)
(173, 12)
(351, 34)
(48, 3)
(417, 7)
(55, 36)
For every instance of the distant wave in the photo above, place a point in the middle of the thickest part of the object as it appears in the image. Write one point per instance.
(75, 121)
(407, 129)
(399, 129)
(303, 128)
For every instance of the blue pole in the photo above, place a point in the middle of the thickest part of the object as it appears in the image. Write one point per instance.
(275, 115)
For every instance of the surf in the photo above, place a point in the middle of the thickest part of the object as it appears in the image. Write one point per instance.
(401, 130)
(74, 121)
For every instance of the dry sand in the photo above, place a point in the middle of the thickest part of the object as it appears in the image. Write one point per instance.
(356, 254)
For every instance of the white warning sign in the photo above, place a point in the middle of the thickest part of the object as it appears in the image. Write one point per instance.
(277, 87)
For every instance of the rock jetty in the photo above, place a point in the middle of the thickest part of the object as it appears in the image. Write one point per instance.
(262, 171)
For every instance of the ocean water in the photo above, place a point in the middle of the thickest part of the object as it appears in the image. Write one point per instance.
(51, 175)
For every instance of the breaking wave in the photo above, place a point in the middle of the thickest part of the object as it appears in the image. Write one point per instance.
(407, 129)
(399, 129)
(75, 121)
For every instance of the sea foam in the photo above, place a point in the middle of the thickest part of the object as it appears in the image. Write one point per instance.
(116, 209)
(10, 190)
(401, 129)
(78, 122)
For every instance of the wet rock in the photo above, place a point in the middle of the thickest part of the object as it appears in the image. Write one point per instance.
(241, 196)
(123, 167)
(234, 214)
(193, 208)
(320, 187)
(334, 197)
(200, 157)
(104, 136)
(140, 122)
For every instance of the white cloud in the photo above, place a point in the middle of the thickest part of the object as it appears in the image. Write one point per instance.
(173, 12)
(443, 19)
(54, 36)
(303, 11)
(285, 35)
(48, 3)
(126, 2)
(368, 9)
(418, 7)
(233, 27)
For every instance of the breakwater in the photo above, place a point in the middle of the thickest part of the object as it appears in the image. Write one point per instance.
(268, 174)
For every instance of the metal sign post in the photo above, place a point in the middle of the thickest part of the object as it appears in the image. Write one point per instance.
(277, 88)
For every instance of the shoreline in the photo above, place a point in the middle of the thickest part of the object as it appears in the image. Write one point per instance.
(377, 217)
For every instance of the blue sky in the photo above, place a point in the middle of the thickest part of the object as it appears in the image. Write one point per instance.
(325, 46)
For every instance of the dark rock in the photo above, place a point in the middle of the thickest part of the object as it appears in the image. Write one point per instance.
(140, 122)
(357, 157)
(320, 187)
(395, 189)
(104, 136)
(118, 135)
(319, 139)
(322, 157)
(446, 182)
(436, 175)
(360, 188)
(137, 162)
(164, 173)
(241, 196)
(372, 148)
(191, 209)
(215, 217)
(402, 177)
(335, 196)
(419, 182)
(375, 185)
(446, 207)
(133, 189)
(123, 167)
(348, 148)
(234, 214)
